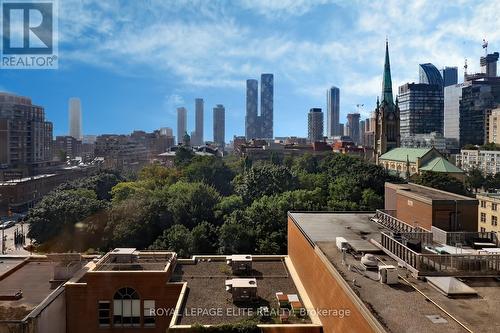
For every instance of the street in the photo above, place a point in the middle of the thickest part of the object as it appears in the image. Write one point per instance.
(10, 247)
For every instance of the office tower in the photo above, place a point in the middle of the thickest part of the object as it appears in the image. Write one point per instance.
(266, 105)
(315, 125)
(75, 118)
(252, 123)
(449, 75)
(421, 108)
(197, 136)
(452, 98)
(353, 126)
(25, 136)
(341, 129)
(219, 125)
(362, 129)
(429, 74)
(181, 124)
(387, 113)
(332, 112)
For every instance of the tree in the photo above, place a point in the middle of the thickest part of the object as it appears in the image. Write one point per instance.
(227, 205)
(307, 163)
(235, 235)
(183, 156)
(177, 238)
(54, 217)
(204, 238)
(371, 201)
(264, 179)
(192, 203)
(158, 175)
(440, 181)
(475, 179)
(212, 171)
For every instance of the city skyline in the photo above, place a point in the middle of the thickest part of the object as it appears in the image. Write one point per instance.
(305, 63)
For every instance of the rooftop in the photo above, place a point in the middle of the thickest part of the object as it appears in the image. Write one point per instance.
(130, 259)
(32, 279)
(412, 304)
(402, 154)
(441, 164)
(206, 281)
(428, 193)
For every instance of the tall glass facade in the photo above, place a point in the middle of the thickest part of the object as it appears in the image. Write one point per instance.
(333, 112)
(421, 108)
(267, 105)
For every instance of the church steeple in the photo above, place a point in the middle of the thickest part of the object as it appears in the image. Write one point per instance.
(386, 80)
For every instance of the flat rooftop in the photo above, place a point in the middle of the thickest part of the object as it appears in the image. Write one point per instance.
(32, 279)
(400, 307)
(206, 290)
(424, 192)
(129, 259)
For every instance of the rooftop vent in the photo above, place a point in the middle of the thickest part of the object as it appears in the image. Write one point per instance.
(242, 289)
(451, 286)
(240, 263)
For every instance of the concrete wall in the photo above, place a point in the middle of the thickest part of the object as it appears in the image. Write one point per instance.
(326, 288)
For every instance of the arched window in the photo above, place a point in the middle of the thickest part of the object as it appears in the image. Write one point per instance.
(126, 308)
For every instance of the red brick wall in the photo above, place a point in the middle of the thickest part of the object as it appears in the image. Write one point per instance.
(322, 287)
(82, 300)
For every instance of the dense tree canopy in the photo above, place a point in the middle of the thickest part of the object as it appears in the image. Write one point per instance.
(206, 204)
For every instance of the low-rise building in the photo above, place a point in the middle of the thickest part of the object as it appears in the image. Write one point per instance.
(406, 162)
(489, 212)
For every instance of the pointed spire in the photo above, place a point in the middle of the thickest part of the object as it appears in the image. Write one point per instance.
(386, 80)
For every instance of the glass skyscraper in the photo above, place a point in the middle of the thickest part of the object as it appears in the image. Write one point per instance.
(252, 123)
(332, 112)
(266, 105)
(181, 124)
(449, 75)
(421, 108)
(197, 138)
(315, 125)
(219, 125)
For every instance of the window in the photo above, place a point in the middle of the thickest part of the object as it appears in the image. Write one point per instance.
(494, 220)
(493, 206)
(483, 204)
(104, 313)
(483, 217)
(483, 229)
(126, 308)
(149, 313)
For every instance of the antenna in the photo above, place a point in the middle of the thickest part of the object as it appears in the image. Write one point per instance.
(359, 106)
(465, 67)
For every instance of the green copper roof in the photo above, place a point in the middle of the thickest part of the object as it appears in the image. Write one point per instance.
(441, 164)
(401, 154)
(386, 80)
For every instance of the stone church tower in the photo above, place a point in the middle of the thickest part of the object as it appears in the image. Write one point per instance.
(387, 114)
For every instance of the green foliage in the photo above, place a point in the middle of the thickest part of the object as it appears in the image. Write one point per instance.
(192, 203)
(475, 179)
(246, 326)
(58, 212)
(183, 156)
(264, 179)
(440, 181)
(211, 171)
(100, 183)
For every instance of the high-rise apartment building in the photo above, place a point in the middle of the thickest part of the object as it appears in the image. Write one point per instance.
(449, 75)
(421, 108)
(353, 126)
(219, 125)
(362, 130)
(315, 125)
(494, 126)
(25, 136)
(452, 98)
(267, 105)
(75, 118)
(332, 112)
(197, 137)
(341, 129)
(252, 121)
(181, 124)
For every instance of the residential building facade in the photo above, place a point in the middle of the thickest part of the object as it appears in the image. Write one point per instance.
(181, 124)
(488, 212)
(488, 161)
(353, 126)
(252, 120)
(267, 105)
(219, 125)
(315, 125)
(333, 112)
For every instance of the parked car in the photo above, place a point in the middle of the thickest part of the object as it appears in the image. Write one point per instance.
(7, 224)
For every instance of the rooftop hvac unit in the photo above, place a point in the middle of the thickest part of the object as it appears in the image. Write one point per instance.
(341, 242)
(240, 263)
(388, 274)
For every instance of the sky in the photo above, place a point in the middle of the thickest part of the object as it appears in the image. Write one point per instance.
(132, 63)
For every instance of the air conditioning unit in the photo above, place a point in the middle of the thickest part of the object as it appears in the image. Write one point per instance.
(341, 242)
(388, 274)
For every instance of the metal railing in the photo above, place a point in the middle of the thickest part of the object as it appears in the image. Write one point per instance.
(390, 222)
